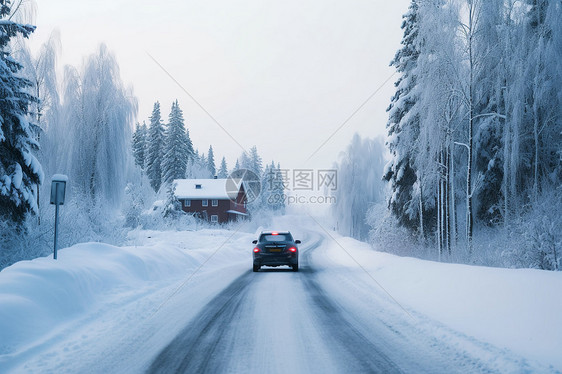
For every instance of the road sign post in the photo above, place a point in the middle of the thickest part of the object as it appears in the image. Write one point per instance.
(58, 191)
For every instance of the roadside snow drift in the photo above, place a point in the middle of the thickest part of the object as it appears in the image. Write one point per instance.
(517, 309)
(39, 297)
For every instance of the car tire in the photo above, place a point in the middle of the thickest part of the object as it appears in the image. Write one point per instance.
(256, 268)
(296, 267)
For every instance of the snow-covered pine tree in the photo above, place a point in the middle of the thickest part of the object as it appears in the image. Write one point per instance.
(403, 125)
(272, 191)
(281, 188)
(244, 161)
(197, 166)
(255, 164)
(172, 206)
(139, 145)
(491, 81)
(266, 188)
(237, 165)
(20, 171)
(190, 150)
(155, 148)
(223, 170)
(211, 162)
(176, 147)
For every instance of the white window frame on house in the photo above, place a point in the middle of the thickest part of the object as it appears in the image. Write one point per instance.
(215, 202)
(187, 203)
(214, 218)
(204, 202)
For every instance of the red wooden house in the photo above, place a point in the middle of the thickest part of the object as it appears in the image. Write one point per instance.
(214, 200)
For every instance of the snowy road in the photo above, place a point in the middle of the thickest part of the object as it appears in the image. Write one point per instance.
(188, 302)
(278, 321)
(273, 321)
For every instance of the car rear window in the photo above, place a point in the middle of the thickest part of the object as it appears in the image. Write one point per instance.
(276, 238)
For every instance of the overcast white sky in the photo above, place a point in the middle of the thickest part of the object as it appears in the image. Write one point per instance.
(282, 75)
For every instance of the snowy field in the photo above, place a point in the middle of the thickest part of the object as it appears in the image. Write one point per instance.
(101, 308)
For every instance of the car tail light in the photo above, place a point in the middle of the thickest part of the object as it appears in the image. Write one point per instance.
(274, 233)
(292, 249)
(256, 250)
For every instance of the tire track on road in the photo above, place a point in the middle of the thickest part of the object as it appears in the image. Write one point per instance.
(362, 355)
(197, 348)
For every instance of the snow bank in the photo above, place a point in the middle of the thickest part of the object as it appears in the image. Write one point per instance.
(39, 297)
(40, 294)
(517, 309)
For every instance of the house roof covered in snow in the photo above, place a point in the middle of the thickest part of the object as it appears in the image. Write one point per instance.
(206, 188)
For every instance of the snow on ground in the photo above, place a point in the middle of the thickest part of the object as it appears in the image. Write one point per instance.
(98, 300)
(515, 309)
(95, 292)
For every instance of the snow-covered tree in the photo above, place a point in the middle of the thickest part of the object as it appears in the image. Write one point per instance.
(139, 144)
(190, 149)
(470, 33)
(20, 171)
(272, 188)
(198, 167)
(243, 162)
(255, 161)
(544, 77)
(252, 161)
(172, 206)
(211, 161)
(133, 205)
(223, 170)
(266, 195)
(403, 126)
(176, 147)
(490, 82)
(155, 150)
(41, 71)
(441, 120)
(359, 185)
(98, 114)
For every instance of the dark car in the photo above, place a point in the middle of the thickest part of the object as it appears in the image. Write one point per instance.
(275, 248)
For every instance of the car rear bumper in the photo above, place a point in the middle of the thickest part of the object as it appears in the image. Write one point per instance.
(275, 259)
